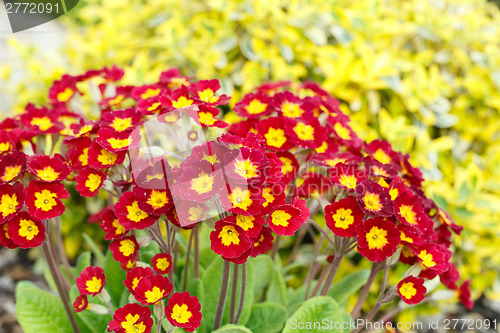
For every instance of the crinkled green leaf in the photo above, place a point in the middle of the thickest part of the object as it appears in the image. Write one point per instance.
(267, 317)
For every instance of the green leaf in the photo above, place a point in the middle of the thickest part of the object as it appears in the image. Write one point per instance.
(267, 318)
(263, 270)
(39, 311)
(84, 260)
(348, 285)
(114, 278)
(230, 328)
(277, 289)
(95, 248)
(315, 310)
(95, 323)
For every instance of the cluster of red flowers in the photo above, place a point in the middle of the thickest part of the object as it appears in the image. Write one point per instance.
(292, 146)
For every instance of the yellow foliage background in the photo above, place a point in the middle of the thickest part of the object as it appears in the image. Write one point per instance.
(422, 74)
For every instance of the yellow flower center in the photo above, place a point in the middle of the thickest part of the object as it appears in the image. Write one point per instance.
(203, 183)
(393, 193)
(372, 202)
(157, 199)
(121, 124)
(93, 182)
(154, 106)
(5, 146)
(291, 110)
(130, 326)
(8, 204)
(408, 213)
(246, 169)
(135, 213)
(275, 137)
(119, 143)
(427, 259)
(127, 247)
(117, 100)
(256, 107)
(266, 193)
(182, 102)
(381, 156)
(206, 118)
(240, 198)
(342, 132)
(406, 239)
(245, 222)
(181, 314)
(153, 296)
(348, 181)
(65, 95)
(106, 157)
(119, 228)
(343, 218)
(11, 172)
(408, 290)
(195, 213)
(28, 229)
(376, 238)
(334, 161)
(287, 165)
(208, 96)
(162, 264)
(84, 157)
(304, 132)
(45, 200)
(43, 123)
(150, 93)
(280, 217)
(229, 235)
(47, 174)
(321, 149)
(93, 285)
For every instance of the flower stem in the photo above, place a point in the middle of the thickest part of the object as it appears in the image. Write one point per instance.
(242, 292)
(186, 264)
(234, 290)
(196, 271)
(221, 303)
(331, 274)
(366, 290)
(62, 252)
(49, 257)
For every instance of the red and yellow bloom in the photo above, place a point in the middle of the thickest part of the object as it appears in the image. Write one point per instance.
(162, 263)
(228, 239)
(152, 288)
(411, 290)
(130, 215)
(26, 231)
(48, 169)
(44, 199)
(134, 276)
(91, 281)
(184, 310)
(12, 166)
(131, 318)
(374, 199)
(11, 200)
(81, 303)
(378, 239)
(89, 181)
(343, 216)
(285, 220)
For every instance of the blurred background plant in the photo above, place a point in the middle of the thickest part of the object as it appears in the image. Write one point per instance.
(424, 75)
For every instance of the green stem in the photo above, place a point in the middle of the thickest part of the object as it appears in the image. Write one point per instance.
(242, 292)
(234, 290)
(221, 303)
(196, 271)
(334, 267)
(186, 264)
(365, 291)
(49, 257)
